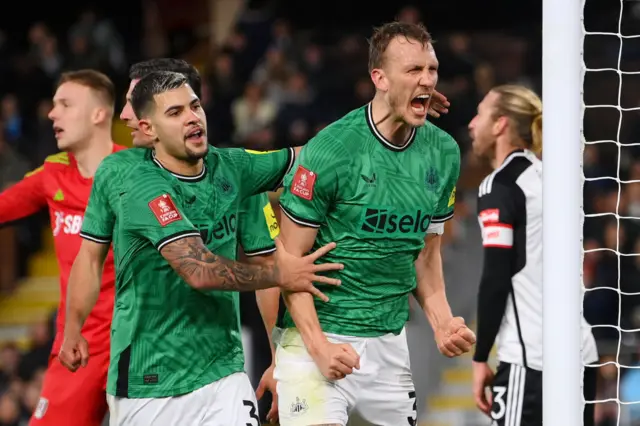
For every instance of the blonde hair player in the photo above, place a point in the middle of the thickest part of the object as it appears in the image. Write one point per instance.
(507, 132)
(81, 117)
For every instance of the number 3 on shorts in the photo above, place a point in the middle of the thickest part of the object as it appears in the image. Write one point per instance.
(253, 415)
(498, 399)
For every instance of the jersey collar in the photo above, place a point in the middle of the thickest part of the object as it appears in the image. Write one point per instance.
(384, 141)
(183, 178)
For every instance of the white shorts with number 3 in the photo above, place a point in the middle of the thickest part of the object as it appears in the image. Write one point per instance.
(380, 393)
(228, 401)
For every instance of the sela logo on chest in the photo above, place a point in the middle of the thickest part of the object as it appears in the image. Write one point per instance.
(68, 224)
(387, 221)
(225, 228)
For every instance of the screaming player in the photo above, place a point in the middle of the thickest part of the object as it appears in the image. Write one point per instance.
(507, 132)
(82, 114)
(380, 182)
(176, 352)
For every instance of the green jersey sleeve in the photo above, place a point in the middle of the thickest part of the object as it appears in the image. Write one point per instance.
(152, 209)
(99, 217)
(447, 200)
(264, 170)
(258, 226)
(311, 187)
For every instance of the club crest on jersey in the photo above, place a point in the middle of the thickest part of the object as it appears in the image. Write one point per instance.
(164, 210)
(431, 179)
(303, 182)
(224, 185)
(41, 408)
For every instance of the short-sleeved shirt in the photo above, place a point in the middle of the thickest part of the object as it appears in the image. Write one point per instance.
(167, 338)
(377, 202)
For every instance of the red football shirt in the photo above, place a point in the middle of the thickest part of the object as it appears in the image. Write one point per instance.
(59, 185)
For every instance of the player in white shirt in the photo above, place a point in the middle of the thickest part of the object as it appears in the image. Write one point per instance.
(507, 131)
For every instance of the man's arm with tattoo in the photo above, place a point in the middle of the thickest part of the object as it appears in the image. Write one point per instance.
(203, 270)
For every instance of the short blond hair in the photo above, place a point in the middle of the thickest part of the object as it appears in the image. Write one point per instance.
(523, 107)
(94, 80)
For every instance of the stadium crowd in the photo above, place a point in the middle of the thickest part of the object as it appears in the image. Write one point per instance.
(271, 85)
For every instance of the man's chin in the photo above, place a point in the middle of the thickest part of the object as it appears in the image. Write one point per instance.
(198, 153)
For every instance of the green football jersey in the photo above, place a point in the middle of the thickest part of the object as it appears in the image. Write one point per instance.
(376, 201)
(167, 338)
(257, 223)
(257, 226)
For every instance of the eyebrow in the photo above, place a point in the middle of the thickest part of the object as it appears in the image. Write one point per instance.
(178, 107)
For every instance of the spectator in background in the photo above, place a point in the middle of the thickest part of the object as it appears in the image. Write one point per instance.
(252, 113)
(12, 119)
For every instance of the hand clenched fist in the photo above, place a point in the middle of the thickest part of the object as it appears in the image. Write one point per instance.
(454, 338)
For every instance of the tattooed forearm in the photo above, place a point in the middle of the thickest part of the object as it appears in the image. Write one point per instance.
(204, 270)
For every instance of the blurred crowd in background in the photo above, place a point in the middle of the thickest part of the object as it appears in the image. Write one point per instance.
(272, 83)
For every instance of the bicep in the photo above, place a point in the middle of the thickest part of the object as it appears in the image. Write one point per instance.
(297, 239)
(186, 255)
(92, 252)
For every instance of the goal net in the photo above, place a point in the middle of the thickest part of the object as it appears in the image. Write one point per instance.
(591, 93)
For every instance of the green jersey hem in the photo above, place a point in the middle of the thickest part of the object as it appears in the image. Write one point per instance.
(333, 328)
(261, 251)
(175, 237)
(154, 391)
(95, 238)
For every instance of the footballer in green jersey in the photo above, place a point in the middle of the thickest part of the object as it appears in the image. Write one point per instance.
(380, 182)
(257, 226)
(175, 328)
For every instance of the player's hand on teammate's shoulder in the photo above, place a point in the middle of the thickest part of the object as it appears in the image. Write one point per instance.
(482, 379)
(454, 338)
(335, 360)
(439, 104)
(268, 383)
(296, 274)
(74, 352)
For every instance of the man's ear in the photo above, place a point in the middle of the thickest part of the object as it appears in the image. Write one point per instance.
(145, 126)
(99, 115)
(500, 126)
(380, 80)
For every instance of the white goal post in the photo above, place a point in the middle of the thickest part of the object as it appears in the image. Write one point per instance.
(562, 79)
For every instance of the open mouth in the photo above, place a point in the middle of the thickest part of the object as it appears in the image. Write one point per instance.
(57, 131)
(419, 104)
(195, 135)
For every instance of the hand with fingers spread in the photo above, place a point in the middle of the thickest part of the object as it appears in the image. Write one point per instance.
(335, 360)
(268, 383)
(439, 104)
(454, 338)
(74, 352)
(297, 274)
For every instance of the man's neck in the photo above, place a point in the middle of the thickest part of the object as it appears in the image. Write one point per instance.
(394, 130)
(503, 150)
(91, 155)
(179, 166)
